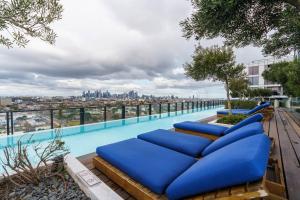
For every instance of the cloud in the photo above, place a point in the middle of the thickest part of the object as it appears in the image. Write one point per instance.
(111, 44)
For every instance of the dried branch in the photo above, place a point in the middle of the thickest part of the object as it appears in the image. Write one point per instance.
(17, 160)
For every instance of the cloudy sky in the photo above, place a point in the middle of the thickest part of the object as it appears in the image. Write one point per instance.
(119, 45)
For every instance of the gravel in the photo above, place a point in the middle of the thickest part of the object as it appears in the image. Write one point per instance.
(49, 189)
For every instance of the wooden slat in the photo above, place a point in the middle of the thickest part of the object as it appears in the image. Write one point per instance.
(209, 136)
(267, 126)
(238, 189)
(291, 129)
(296, 117)
(274, 180)
(210, 195)
(291, 133)
(289, 160)
(208, 119)
(223, 193)
(276, 152)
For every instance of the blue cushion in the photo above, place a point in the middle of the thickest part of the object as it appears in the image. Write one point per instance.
(254, 118)
(241, 162)
(264, 102)
(151, 165)
(233, 111)
(245, 131)
(257, 108)
(201, 127)
(184, 143)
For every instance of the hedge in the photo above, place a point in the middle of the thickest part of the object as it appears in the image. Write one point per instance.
(231, 119)
(238, 104)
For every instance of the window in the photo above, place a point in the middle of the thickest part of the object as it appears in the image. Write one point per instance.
(253, 70)
(253, 80)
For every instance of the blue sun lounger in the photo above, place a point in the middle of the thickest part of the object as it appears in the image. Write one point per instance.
(213, 131)
(147, 170)
(196, 146)
(244, 111)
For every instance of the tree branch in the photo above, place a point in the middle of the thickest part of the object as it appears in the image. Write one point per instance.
(295, 3)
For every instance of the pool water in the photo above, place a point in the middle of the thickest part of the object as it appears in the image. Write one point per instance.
(84, 139)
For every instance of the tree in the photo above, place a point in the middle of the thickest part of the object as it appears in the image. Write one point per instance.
(21, 19)
(239, 87)
(273, 24)
(287, 74)
(214, 63)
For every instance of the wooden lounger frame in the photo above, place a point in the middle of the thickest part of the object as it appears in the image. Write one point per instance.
(209, 136)
(263, 189)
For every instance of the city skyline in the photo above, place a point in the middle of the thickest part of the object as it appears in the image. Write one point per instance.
(115, 50)
(129, 95)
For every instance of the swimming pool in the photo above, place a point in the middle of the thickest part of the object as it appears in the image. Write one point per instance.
(84, 139)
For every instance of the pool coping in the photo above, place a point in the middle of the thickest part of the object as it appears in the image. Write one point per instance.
(99, 191)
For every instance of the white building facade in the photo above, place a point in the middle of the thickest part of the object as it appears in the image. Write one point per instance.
(256, 80)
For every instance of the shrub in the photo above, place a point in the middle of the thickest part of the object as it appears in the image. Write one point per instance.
(16, 159)
(260, 92)
(239, 104)
(231, 119)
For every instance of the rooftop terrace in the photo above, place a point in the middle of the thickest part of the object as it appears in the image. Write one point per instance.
(284, 127)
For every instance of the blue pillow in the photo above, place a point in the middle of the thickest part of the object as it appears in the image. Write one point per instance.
(238, 163)
(257, 108)
(201, 127)
(254, 118)
(245, 131)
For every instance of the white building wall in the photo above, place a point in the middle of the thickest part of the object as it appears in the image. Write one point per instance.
(262, 65)
(261, 78)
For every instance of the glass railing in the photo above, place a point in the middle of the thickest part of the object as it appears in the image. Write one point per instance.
(13, 122)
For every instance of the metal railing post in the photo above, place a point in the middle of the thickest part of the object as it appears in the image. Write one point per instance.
(81, 111)
(159, 108)
(175, 106)
(150, 109)
(123, 111)
(137, 110)
(12, 122)
(7, 123)
(51, 119)
(104, 113)
(169, 108)
(193, 105)
(182, 106)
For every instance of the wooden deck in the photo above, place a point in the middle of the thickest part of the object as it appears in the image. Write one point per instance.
(284, 127)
